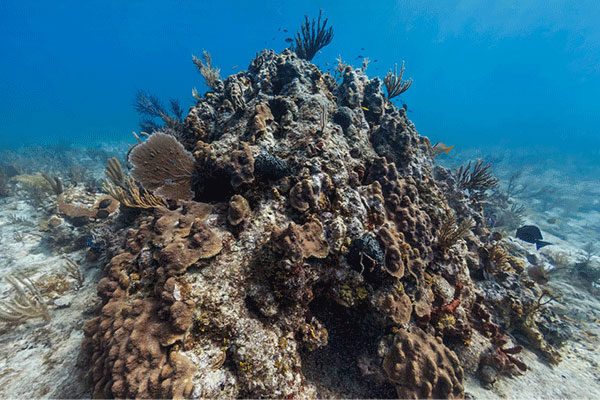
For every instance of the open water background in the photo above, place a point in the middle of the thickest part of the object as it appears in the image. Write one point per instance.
(505, 76)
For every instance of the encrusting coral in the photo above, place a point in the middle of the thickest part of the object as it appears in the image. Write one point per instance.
(239, 210)
(300, 229)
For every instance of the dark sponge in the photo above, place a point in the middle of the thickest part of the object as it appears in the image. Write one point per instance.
(268, 167)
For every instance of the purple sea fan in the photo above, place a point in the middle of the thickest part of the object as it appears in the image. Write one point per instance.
(163, 166)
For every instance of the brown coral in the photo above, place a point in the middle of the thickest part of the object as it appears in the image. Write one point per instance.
(396, 251)
(128, 360)
(397, 307)
(261, 119)
(238, 210)
(130, 344)
(243, 166)
(300, 242)
(185, 239)
(422, 367)
(404, 212)
(302, 196)
(78, 205)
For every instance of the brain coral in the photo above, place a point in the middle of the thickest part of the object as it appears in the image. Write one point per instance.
(422, 367)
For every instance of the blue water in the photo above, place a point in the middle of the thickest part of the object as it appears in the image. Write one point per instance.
(515, 74)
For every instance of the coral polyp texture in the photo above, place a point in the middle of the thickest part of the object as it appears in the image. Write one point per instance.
(304, 247)
(422, 367)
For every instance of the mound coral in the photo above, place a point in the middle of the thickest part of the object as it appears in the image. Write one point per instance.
(130, 345)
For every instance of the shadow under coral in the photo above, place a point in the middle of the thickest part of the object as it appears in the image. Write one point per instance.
(334, 368)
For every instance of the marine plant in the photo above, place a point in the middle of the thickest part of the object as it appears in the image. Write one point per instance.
(77, 174)
(513, 187)
(589, 250)
(310, 40)
(114, 171)
(26, 303)
(450, 233)
(545, 297)
(125, 189)
(511, 218)
(73, 271)
(19, 220)
(585, 268)
(208, 71)
(130, 195)
(54, 182)
(394, 84)
(151, 107)
(340, 67)
(476, 180)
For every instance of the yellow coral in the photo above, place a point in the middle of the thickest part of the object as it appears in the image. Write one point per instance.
(446, 321)
(361, 293)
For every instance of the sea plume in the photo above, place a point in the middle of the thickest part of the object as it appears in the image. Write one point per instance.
(310, 40)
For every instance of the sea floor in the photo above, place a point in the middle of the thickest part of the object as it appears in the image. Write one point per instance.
(39, 359)
(577, 376)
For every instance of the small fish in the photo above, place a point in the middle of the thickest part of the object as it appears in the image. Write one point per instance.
(234, 67)
(375, 60)
(285, 30)
(359, 56)
(531, 234)
(364, 108)
(293, 99)
(289, 39)
(362, 48)
(440, 148)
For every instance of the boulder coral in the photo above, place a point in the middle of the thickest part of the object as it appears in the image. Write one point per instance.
(422, 367)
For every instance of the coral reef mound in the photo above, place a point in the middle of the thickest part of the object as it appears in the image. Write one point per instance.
(304, 249)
